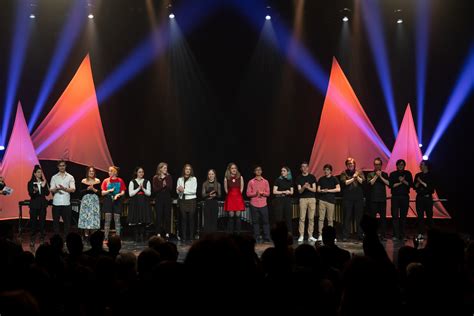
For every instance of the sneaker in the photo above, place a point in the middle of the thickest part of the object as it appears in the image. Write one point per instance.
(320, 238)
(312, 239)
(301, 239)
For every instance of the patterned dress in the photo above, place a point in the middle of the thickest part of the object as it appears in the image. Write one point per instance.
(89, 215)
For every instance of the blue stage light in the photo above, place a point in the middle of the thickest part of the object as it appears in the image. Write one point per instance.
(20, 40)
(421, 43)
(144, 54)
(374, 27)
(68, 36)
(464, 86)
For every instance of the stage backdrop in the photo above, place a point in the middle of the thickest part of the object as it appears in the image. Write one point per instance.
(73, 130)
(17, 167)
(344, 129)
(407, 147)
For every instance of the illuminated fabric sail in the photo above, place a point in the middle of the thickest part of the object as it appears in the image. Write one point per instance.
(73, 130)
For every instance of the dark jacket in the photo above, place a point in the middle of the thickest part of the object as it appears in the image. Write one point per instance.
(38, 200)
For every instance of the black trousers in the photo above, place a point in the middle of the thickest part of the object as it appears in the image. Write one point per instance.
(400, 206)
(163, 215)
(381, 209)
(211, 211)
(282, 209)
(424, 204)
(37, 220)
(352, 210)
(63, 211)
(263, 213)
(187, 211)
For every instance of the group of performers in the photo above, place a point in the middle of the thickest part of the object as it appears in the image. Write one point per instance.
(306, 187)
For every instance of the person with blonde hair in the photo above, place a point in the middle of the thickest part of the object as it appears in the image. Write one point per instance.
(162, 186)
(186, 189)
(234, 202)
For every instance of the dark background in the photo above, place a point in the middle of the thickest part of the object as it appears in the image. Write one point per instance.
(222, 95)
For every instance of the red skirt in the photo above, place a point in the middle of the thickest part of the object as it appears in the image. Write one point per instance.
(234, 201)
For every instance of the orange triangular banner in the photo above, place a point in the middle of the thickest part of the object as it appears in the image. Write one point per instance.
(73, 128)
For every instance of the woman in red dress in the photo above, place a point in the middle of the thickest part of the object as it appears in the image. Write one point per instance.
(234, 202)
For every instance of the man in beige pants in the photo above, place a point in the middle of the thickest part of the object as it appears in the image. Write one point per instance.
(328, 186)
(307, 189)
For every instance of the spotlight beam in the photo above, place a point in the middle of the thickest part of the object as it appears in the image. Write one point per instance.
(421, 33)
(373, 25)
(464, 86)
(68, 36)
(144, 54)
(302, 60)
(17, 56)
(298, 55)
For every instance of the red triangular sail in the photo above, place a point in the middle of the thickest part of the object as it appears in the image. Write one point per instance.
(344, 129)
(73, 128)
(17, 166)
(407, 147)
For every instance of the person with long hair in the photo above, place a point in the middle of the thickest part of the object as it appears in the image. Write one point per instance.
(139, 213)
(113, 189)
(234, 201)
(211, 192)
(186, 188)
(162, 186)
(424, 186)
(283, 191)
(401, 181)
(61, 186)
(38, 190)
(258, 190)
(89, 215)
(352, 198)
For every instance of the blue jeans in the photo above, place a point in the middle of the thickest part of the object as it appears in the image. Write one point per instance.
(256, 213)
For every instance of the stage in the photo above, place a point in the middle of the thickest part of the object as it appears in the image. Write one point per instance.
(353, 246)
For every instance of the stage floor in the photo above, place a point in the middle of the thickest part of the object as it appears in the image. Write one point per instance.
(353, 246)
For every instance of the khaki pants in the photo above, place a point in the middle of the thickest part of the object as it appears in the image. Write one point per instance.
(306, 203)
(325, 208)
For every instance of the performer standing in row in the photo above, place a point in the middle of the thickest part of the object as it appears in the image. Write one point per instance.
(424, 186)
(258, 189)
(89, 214)
(61, 186)
(378, 183)
(162, 186)
(283, 191)
(306, 188)
(328, 186)
(139, 213)
(234, 202)
(352, 198)
(113, 189)
(211, 192)
(401, 181)
(186, 189)
(38, 191)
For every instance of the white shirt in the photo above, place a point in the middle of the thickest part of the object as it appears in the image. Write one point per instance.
(61, 197)
(146, 190)
(38, 185)
(190, 187)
